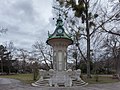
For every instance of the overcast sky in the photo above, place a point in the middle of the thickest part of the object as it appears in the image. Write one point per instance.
(27, 21)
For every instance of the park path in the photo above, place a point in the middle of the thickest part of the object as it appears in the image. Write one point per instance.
(12, 84)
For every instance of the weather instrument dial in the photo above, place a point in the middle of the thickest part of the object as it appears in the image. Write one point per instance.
(60, 31)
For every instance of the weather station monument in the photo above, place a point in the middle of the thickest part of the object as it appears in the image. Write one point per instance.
(60, 75)
(59, 40)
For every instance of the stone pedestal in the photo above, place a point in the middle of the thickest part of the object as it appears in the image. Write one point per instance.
(60, 79)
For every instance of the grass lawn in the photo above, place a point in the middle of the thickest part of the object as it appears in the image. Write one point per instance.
(28, 78)
(101, 79)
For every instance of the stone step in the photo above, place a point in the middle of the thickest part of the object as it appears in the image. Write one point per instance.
(80, 84)
(60, 84)
(41, 84)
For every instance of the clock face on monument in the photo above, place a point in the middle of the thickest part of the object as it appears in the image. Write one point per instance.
(60, 31)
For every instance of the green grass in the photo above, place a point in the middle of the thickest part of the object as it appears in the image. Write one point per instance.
(26, 78)
(101, 79)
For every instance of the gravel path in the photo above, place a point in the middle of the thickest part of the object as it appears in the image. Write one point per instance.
(12, 84)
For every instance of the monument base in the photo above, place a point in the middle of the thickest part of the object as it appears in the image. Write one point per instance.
(53, 78)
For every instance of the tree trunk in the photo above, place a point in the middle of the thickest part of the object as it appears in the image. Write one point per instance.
(9, 66)
(1, 65)
(88, 57)
(35, 71)
(51, 64)
(88, 40)
(24, 65)
(118, 64)
(76, 63)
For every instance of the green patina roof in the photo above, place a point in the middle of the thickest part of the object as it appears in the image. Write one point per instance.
(57, 35)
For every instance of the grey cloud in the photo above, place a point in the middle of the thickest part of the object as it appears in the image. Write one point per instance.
(26, 22)
(25, 9)
(19, 10)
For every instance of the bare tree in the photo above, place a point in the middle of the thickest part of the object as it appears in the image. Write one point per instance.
(23, 55)
(2, 53)
(113, 16)
(88, 17)
(44, 53)
(3, 30)
(4, 56)
(85, 15)
(12, 50)
(112, 45)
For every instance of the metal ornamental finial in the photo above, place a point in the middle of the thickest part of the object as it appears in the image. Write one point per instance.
(59, 21)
